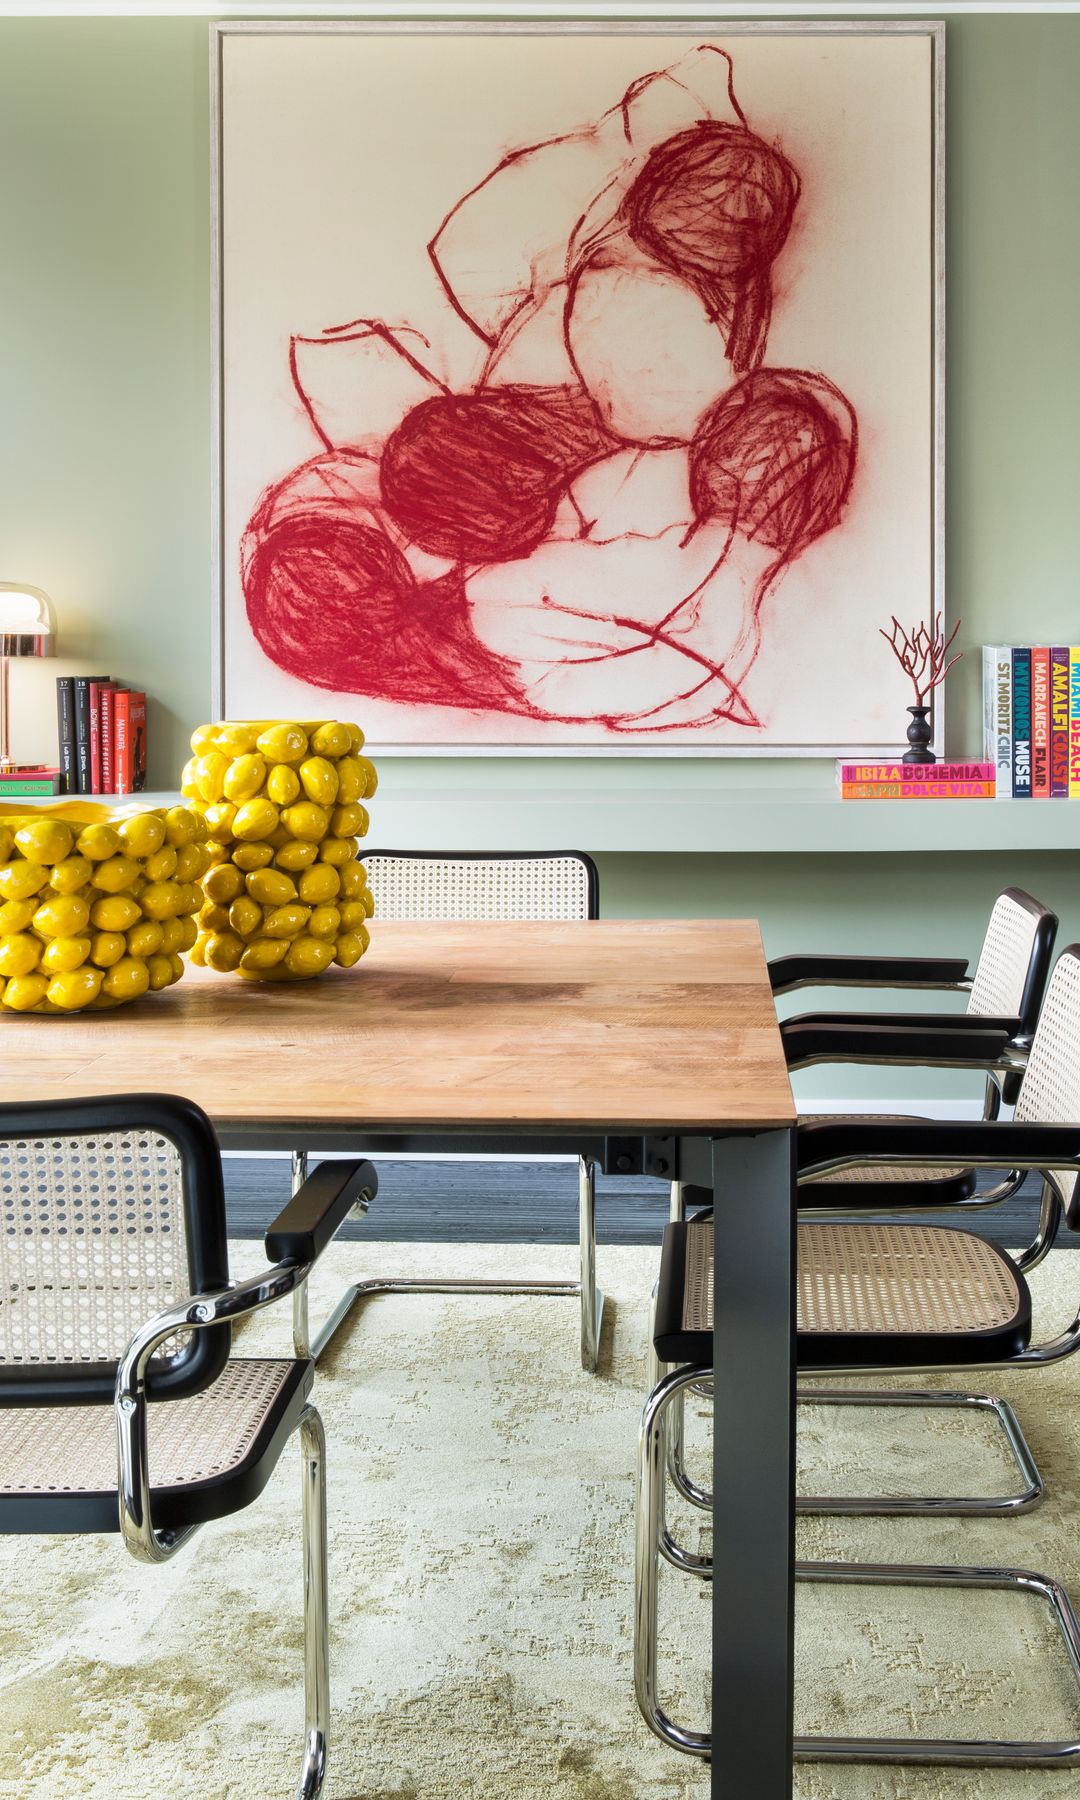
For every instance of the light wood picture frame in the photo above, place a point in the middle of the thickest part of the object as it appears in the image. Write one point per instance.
(579, 386)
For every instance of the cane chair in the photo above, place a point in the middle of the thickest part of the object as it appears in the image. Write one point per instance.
(421, 884)
(874, 1298)
(1004, 996)
(116, 1293)
(1011, 972)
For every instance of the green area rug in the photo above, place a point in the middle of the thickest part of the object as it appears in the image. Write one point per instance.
(481, 1499)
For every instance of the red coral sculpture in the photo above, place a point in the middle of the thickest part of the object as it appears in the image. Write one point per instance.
(924, 657)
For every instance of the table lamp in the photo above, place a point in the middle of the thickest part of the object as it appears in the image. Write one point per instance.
(27, 628)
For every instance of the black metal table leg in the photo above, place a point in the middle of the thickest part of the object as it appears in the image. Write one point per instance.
(754, 1466)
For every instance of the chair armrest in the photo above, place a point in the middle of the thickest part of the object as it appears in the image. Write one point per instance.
(318, 1209)
(824, 1146)
(297, 1237)
(789, 972)
(196, 1313)
(927, 1046)
(910, 1021)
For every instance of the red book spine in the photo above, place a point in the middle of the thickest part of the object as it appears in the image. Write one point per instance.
(108, 777)
(95, 738)
(129, 741)
(137, 714)
(122, 742)
(1040, 723)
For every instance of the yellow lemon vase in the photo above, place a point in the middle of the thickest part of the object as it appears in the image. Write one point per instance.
(96, 907)
(283, 804)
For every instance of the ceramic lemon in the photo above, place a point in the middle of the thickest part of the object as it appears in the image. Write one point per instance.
(282, 803)
(95, 907)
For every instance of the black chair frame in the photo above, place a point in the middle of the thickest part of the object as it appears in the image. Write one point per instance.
(1052, 1150)
(156, 1521)
(313, 1343)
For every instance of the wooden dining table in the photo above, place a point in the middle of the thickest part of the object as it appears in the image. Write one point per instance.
(650, 1045)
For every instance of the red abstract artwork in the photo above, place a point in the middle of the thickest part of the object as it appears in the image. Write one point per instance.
(588, 530)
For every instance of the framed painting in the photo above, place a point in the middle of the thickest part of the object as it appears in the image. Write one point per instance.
(579, 386)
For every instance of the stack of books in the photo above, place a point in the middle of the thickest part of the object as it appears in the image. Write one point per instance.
(28, 782)
(1031, 719)
(102, 731)
(916, 781)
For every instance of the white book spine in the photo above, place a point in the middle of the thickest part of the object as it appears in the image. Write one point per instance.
(1003, 721)
(989, 701)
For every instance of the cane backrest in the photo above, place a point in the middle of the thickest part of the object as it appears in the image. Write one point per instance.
(99, 1231)
(1050, 1090)
(93, 1243)
(1015, 959)
(411, 884)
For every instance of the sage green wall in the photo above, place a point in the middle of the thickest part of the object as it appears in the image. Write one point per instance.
(105, 432)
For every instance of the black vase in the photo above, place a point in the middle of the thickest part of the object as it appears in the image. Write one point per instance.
(919, 733)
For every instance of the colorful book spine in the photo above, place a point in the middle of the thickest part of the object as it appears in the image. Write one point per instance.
(928, 774)
(1074, 722)
(1003, 718)
(1031, 720)
(129, 741)
(121, 738)
(65, 732)
(96, 784)
(1040, 722)
(137, 713)
(108, 775)
(1021, 741)
(1059, 722)
(917, 790)
(30, 782)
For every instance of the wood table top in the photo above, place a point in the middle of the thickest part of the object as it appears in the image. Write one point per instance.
(609, 1025)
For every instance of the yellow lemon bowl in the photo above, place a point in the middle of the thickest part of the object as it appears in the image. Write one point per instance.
(96, 906)
(282, 800)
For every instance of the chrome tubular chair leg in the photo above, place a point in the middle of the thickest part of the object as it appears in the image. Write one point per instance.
(404, 1284)
(964, 1752)
(1050, 1213)
(672, 1417)
(876, 1505)
(316, 1625)
(301, 1325)
(592, 1300)
(305, 1343)
(681, 1479)
(654, 1368)
(948, 1505)
(650, 1532)
(676, 1425)
(675, 1434)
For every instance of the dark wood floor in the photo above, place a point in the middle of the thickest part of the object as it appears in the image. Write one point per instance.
(517, 1203)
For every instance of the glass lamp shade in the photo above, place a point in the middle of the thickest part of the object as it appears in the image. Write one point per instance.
(27, 621)
(27, 628)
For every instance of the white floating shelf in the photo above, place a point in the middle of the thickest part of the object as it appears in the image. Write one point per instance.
(747, 820)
